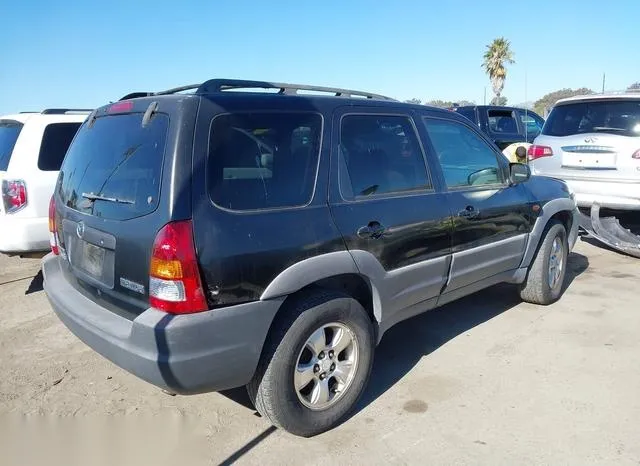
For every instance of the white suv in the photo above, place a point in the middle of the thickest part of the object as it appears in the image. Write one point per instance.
(593, 143)
(32, 147)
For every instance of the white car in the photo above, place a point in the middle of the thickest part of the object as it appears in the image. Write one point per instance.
(32, 147)
(593, 143)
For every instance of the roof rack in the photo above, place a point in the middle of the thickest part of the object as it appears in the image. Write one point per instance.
(65, 111)
(219, 85)
(214, 86)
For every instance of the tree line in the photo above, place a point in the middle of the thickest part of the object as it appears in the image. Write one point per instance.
(497, 56)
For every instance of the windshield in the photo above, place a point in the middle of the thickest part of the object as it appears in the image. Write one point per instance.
(9, 132)
(598, 116)
(113, 168)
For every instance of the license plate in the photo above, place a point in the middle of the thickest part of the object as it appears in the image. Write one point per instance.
(595, 161)
(91, 259)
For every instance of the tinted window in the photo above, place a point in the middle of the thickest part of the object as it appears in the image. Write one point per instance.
(531, 122)
(9, 131)
(119, 159)
(502, 121)
(596, 116)
(263, 160)
(466, 159)
(380, 155)
(55, 142)
(470, 113)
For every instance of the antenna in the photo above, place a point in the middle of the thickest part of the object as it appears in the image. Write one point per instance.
(526, 107)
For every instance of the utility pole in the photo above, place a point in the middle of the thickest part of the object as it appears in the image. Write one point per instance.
(485, 96)
(603, 81)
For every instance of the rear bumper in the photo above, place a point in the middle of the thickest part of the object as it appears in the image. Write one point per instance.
(207, 351)
(609, 194)
(19, 235)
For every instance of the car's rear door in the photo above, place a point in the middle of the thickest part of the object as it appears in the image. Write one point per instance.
(122, 180)
(503, 126)
(391, 213)
(492, 218)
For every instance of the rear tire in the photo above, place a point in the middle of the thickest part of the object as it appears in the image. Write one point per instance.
(546, 276)
(295, 342)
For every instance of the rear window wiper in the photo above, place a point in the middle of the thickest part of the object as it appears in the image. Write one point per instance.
(607, 128)
(97, 197)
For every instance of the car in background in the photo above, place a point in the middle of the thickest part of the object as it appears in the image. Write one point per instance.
(593, 143)
(505, 126)
(32, 147)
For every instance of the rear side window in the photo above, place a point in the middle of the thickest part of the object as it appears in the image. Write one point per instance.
(380, 155)
(263, 160)
(113, 169)
(596, 116)
(55, 142)
(502, 121)
(9, 132)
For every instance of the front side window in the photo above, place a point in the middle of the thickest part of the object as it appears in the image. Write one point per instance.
(263, 160)
(55, 141)
(531, 122)
(466, 159)
(380, 155)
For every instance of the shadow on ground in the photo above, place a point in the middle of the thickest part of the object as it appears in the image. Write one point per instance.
(36, 284)
(409, 341)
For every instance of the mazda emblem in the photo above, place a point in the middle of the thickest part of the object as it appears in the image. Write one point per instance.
(80, 230)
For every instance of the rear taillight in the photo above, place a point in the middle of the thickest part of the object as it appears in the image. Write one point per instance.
(536, 152)
(174, 283)
(14, 195)
(636, 155)
(53, 227)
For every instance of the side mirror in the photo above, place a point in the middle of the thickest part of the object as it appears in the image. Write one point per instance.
(519, 173)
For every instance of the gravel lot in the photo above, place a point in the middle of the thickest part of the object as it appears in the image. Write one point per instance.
(486, 380)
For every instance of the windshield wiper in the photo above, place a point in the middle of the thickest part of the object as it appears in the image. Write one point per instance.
(606, 128)
(97, 197)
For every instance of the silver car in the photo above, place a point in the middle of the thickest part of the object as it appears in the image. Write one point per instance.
(593, 143)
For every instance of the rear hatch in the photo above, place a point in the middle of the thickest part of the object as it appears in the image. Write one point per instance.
(118, 186)
(595, 139)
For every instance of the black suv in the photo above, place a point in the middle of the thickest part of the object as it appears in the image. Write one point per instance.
(234, 236)
(504, 125)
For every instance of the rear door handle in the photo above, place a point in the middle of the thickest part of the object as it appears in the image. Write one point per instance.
(373, 230)
(469, 212)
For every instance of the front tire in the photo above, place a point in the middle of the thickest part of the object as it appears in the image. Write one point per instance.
(545, 280)
(315, 364)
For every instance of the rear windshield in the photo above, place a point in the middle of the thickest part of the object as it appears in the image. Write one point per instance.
(263, 160)
(597, 116)
(9, 132)
(113, 168)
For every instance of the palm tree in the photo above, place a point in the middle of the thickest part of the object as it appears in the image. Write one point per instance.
(497, 55)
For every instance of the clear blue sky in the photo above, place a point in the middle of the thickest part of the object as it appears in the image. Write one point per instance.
(83, 54)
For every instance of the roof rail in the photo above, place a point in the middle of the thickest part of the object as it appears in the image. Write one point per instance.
(65, 111)
(213, 86)
(135, 95)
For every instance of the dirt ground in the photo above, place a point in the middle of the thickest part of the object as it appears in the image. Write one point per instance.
(485, 380)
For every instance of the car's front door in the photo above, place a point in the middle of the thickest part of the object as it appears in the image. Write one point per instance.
(492, 218)
(393, 218)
